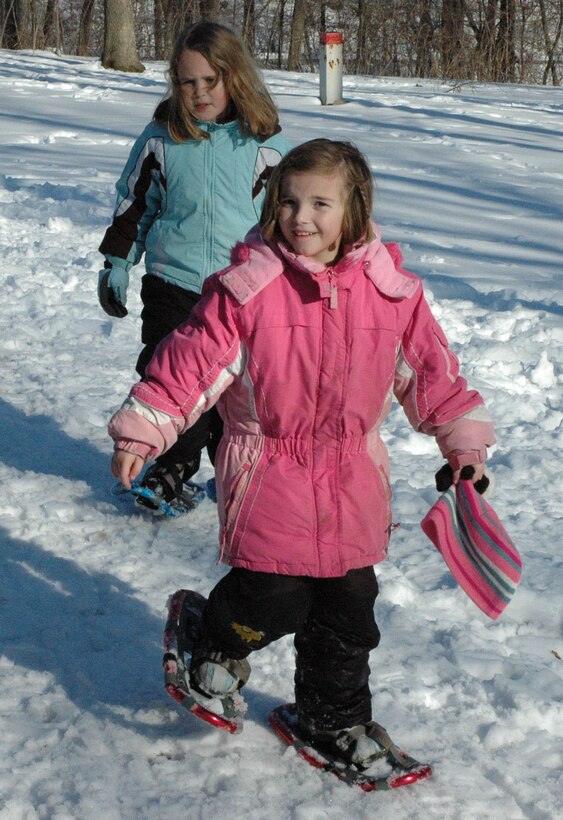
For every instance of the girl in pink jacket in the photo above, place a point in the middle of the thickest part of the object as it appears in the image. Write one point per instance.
(302, 343)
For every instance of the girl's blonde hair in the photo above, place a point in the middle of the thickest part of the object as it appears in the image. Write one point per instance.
(323, 156)
(249, 100)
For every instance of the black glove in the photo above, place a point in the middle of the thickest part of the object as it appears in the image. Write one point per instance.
(445, 476)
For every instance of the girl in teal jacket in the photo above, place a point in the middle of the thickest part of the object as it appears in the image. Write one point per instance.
(193, 186)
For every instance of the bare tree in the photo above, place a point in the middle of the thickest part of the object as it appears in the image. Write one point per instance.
(452, 38)
(281, 32)
(209, 10)
(120, 48)
(505, 50)
(322, 14)
(159, 30)
(362, 56)
(85, 27)
(424, 38)
(9, 25)
(249, 23)
(485, 40)
(484, 31)
(172, 16)
(20, 24)
(551, 44)
(296, 36)
(52, 25)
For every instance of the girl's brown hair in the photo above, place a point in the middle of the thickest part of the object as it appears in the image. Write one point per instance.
(250, 101)
(322, 156)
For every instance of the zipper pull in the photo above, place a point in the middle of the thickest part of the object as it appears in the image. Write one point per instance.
(333, 297)
(333, 292)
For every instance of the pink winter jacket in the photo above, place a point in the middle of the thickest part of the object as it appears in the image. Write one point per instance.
(303, 361)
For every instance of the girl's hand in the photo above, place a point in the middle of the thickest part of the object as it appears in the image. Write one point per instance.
(478, 473)
(126, 466)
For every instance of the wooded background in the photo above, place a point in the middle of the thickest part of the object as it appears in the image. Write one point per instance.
(457, 40)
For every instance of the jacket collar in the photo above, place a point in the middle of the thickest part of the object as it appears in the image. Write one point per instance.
(256, 263)
(205, 125)
(381, 263)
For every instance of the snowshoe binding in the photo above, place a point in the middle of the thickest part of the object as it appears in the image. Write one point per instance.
(162, 492)
(364, 756)
(185, 609)
(211, 489)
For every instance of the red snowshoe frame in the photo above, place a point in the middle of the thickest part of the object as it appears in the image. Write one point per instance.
(175, 681)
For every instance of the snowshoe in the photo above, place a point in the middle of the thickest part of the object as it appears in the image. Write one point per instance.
(169, 490)
(162, 492)
(185, 609)
(389, 768)
(211, 489)
(156, 505)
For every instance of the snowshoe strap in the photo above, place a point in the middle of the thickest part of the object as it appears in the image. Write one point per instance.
(171, 475)
(353, 735)
(394, 755)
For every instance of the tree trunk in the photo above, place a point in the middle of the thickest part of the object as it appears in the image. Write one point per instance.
(176, 15)
(85, 27)
(551, 67)
(424, 37)
(484, 31)
(281, 39)
(249, 24)
(51, 25)
(505, 49)
(209, 10)
(362, 58)
(19, 26)
(452, 39)
(296, 36)
(159, 30)
(9, 26)
(488, 40)
(120, 49)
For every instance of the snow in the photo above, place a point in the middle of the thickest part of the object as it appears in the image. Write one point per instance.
(469, 181)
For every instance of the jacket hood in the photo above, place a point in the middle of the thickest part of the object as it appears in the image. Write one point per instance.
(256, 263)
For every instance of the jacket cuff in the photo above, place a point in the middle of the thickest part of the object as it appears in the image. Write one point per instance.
(135, 447)
(111, 262)
(457, 460)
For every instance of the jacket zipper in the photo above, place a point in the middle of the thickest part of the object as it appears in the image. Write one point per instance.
(333, 290)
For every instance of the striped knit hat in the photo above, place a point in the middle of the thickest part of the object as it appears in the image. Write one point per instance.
(475, 546)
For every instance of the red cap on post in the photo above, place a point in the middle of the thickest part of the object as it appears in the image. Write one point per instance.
(331, 38)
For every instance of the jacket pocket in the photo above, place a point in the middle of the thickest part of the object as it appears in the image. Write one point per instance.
(233, 501)
(246, 486)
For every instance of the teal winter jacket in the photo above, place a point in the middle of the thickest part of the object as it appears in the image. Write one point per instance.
(185, 204)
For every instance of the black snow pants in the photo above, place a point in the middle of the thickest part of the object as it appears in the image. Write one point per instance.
(334, 627)
(166, 306)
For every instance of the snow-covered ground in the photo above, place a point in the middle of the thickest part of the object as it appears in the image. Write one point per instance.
(469, 181)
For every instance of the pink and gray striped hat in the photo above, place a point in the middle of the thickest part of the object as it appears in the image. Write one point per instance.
(475, 546)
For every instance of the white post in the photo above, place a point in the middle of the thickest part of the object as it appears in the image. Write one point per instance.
(330, 67)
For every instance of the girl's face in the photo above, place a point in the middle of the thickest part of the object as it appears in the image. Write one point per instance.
(202, 89)
(311, 213)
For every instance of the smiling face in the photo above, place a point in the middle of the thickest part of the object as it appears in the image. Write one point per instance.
(311, 213)
(201, 87)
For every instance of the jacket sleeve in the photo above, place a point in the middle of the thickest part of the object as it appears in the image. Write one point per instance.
(268, 156)
(191, 368)
(435, 397)
(141, 191)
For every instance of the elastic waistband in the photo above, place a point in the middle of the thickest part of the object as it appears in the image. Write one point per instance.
(296, 446)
